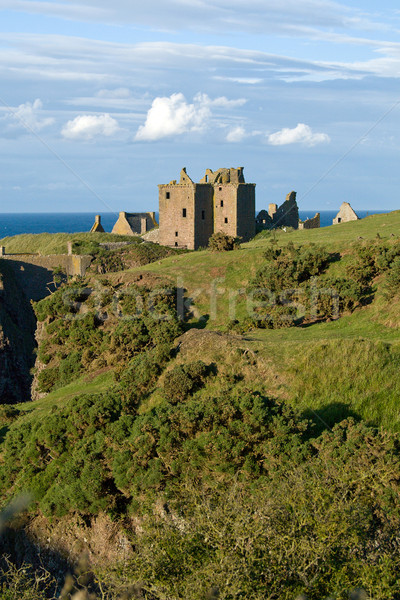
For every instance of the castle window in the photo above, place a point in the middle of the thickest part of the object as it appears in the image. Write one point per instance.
(222, 202)
(203, 215)
(167, 195)
(220, 189)
(183, 212)
(176, 243)
(176, 234)
(226, 219)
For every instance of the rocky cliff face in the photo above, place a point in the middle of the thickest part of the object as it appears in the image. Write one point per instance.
(17, 339)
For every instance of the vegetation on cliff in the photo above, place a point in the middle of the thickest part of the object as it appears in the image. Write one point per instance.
(264, 465)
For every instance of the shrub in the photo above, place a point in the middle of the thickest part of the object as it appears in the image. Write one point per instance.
(220, 242)
(183, 380)
(392, 283)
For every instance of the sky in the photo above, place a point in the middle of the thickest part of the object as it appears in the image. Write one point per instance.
(101, 101)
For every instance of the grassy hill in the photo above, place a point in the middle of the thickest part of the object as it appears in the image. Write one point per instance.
(213, 437)
(55, 243)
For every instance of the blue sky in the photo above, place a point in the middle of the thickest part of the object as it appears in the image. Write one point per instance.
(100, 101)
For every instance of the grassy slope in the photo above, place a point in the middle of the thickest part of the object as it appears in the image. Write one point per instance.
(198, 272)
(54, 243)
(334, 369)
(328, 370)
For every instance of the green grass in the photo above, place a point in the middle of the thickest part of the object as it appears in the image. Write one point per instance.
(352, 378)
(55, 243)
(197, 272)
(62, 396)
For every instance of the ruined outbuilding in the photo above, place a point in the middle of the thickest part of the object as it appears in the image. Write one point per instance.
(313, 223)
(134, 223)
(286, 215)
(345, 214)
(191, 212)
(97, 226)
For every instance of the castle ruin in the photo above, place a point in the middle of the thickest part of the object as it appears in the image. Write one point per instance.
(191, 212)
(134, 223)
(313, 223)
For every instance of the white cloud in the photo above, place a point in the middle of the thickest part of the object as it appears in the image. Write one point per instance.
(87, 127)
(173, 115)
(119, 93)
(236, 134)
(224, 102)
(266, 16)
(243, 80)
(302, 134)
(28, 115)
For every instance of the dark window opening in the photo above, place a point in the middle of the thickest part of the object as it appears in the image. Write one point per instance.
(176, 243)
(184, 212)
(220, 189)
(176, 234)
(222, 203)
(168, 195)
(226, 219)
(203, 215)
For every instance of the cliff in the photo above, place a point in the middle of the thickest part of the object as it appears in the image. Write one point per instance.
(17, 339)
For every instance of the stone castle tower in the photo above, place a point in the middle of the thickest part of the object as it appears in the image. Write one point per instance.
(191, 212)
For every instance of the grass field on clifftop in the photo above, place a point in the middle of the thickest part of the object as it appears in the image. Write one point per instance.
(343, 367)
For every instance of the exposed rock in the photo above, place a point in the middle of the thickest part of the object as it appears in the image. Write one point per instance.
(17, 339)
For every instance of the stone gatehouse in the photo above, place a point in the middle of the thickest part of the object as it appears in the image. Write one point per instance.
(191, 212)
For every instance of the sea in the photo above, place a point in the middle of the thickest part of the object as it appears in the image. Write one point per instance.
(17, 223)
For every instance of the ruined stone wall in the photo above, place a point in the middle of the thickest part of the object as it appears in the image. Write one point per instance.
(152, 236)
(246, 210)
(313, 223)
(35, 273)
(175, 201)
(287, 215)
(203, 215)
(225, 208)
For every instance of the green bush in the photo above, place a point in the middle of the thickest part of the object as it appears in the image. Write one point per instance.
(184, 380)
(220, 242)
(392, 282)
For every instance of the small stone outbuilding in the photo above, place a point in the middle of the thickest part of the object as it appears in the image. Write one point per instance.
(97, 226)
(134, 223)
(345, 214)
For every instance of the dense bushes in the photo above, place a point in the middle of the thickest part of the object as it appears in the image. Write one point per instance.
(91, 328)
(293, 285)
(220, 242)
(281, 286)
(321, 526)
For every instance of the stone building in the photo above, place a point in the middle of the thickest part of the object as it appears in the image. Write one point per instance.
(134, 223)
(191, 212)
(345, 214)
(264, 220)
(286, 215)
(97, 226)
(313, 223)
